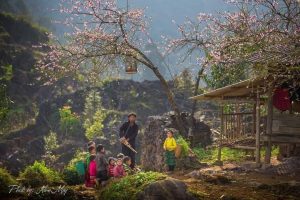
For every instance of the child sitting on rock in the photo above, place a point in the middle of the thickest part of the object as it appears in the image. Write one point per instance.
(169, 147)
(119, 171)
(111, 165)
(126, 164)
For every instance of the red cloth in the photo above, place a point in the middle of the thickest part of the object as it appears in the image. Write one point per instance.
(111, 170)
(281, 99)
(92, 174)
(119, 171)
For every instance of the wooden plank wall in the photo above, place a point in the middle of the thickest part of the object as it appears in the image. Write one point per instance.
(285, 128)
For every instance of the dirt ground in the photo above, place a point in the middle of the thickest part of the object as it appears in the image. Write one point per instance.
(230, 182)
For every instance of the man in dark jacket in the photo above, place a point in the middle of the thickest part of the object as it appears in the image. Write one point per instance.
(129, 130)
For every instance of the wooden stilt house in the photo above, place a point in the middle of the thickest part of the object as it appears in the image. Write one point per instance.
(248, 120)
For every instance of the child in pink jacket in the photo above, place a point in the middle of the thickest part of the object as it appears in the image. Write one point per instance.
(119, 169)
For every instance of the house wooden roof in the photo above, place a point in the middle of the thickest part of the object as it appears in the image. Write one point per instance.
(241, 90)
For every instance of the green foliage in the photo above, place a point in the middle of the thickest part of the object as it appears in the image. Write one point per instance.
(128, 187)
(93, 103)
(79, 156)
(51, 141)
(5, 181)
(228, 154)
(185, 145)
(50, 145)
(71, 177)
(94, 115)
(69, 121)
(221, 76)
(274, 152)
(211, 155)
(6, 76)
(95, 129)
(7, 72)
(39, 174)
(202, 154)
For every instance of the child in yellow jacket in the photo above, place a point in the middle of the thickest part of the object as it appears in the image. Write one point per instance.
(170, 146)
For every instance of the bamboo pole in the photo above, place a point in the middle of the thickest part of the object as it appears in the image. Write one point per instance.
(257, 136)
(269, 126)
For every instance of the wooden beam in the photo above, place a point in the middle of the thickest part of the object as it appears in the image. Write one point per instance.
(221, 135)
(257, 135)
(269, 126)
(282, 139)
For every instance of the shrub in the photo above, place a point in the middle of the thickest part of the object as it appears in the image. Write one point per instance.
(5, 181)
(39, 174)
(71, 176)
(129, 186)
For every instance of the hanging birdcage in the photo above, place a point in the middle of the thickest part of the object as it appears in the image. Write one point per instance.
(130, 65)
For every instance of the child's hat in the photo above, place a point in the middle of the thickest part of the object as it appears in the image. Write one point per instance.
(120, 155)
(111, 158)
(131, 114)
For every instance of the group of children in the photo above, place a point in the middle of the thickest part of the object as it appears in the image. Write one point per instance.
(99, 169)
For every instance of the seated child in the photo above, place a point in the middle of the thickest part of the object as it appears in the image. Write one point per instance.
(170, 146)
(102, 165)
(91, 151)
(119, 169)
(111, 165)
(126, 164)
(92, 171)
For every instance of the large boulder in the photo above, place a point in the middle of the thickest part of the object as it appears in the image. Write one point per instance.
(168, 189)
(152, 152)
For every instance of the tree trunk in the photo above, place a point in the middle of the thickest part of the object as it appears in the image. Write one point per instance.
(196, 90)
(148, 63)
(194, 106)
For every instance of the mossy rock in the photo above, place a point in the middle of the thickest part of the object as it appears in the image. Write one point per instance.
(128, 187)
(168, 189)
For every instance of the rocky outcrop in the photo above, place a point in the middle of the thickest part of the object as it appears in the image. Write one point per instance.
(168, 189)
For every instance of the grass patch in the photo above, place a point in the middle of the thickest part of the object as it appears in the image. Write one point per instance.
(228, 154)
(128, 187)
(274, 152)
(211, 155)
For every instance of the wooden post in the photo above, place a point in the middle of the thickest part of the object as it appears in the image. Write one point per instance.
(221, 136)
(257, 135)
(254, 119)
(269, 125)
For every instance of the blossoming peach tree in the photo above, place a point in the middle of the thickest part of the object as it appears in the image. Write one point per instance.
(104, 33)
(261, 35)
